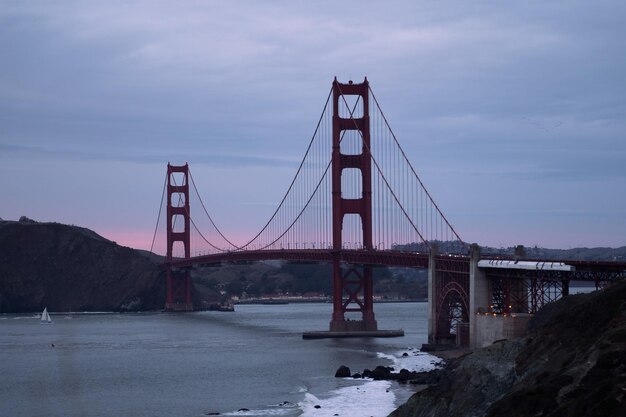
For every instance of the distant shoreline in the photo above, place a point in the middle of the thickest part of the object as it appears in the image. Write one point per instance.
(283, 301)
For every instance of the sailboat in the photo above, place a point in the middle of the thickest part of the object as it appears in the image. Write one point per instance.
(45, 317)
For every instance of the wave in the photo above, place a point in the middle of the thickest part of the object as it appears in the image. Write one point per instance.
(279, 410)
(373, 397)
(412, 359)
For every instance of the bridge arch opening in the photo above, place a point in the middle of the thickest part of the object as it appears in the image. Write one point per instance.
(178, 249)
(352, 232)
(351, 183)
(453, 315)
(351, 142)
(178, 199)
(178, 223)
(350, 106)
(178, 178)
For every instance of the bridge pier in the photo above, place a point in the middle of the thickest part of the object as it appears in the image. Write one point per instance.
(358, 288)
(448, 301)
(461, 298)
(432, 305)
(479, 294)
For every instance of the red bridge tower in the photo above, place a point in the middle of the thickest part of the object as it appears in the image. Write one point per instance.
(178, 281)
(352, 284)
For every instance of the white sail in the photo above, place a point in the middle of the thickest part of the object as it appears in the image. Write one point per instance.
(45, 317)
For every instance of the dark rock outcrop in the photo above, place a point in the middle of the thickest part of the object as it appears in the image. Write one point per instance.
(342, 372)
(388, 373)
(69, 268)
(572, 363)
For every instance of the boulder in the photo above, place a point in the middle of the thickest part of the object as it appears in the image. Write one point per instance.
(343, 372)
(381, 373)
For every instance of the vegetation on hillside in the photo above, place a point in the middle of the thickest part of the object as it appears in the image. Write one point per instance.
(289, 278)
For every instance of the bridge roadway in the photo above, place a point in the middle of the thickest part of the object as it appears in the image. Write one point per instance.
(354, 256)
(582, 270)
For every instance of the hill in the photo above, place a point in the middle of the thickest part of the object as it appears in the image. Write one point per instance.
(275, 277)
(70, 268)
(577, 254)
(535, 252)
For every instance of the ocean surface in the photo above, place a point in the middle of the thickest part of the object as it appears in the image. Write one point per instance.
(252, 362)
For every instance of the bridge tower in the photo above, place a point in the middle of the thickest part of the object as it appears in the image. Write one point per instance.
(352, 284)
(178, 296)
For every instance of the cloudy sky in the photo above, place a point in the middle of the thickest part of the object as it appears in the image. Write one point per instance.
(513, 113)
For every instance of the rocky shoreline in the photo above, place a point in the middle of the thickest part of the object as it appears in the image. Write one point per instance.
(388, 373)
(571, 363)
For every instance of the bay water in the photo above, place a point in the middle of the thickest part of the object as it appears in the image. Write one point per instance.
(251, 362)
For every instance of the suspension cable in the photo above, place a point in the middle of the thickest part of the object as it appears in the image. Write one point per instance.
(381, 173)
(295, 177)
(412, 169)
(303, 209)
(207, 213)
(195, 227)
(156, 228)
(312, 194)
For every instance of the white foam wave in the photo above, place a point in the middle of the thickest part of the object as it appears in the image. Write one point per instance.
(371, 397)
(415, 360)
(271, 411)
(14, 317)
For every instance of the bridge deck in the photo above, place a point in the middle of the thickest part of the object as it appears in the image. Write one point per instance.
(548, 269)
(374, 257)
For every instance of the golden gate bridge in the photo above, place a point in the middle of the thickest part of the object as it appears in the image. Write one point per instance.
(357, 202)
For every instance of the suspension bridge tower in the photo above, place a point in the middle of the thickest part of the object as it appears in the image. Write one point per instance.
(178, 296)
(352, 284)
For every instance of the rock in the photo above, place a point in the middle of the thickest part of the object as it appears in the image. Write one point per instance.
(427, 378)
(357, 376)
(404, 375)
(243, 410)
(317, 406)
(342, 372)
(381, 373)
(405, 354)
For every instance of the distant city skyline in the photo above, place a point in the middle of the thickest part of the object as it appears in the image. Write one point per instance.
(514, 115)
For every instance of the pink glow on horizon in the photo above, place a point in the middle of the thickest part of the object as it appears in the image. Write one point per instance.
(142, 239)
(136, 239)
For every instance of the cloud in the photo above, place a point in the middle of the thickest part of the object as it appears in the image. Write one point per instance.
(504, 94)
(237, 160)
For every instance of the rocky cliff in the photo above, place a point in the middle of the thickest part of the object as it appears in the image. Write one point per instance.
(69, 268)
(571, 363)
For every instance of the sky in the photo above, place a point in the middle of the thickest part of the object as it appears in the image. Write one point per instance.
(512, 113)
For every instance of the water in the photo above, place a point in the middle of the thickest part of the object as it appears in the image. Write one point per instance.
(191, 364)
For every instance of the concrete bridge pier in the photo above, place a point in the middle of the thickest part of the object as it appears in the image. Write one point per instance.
(468, 308)
(479, 294)
(432, 306)
(498, 305)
